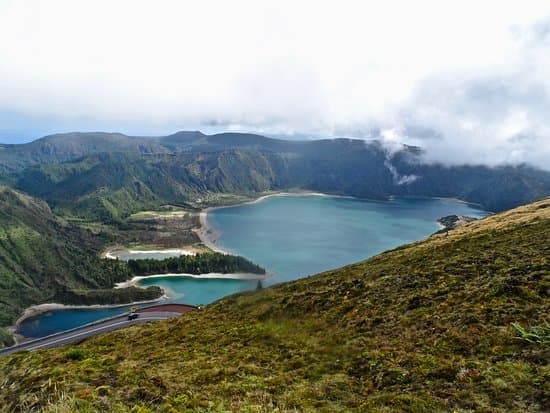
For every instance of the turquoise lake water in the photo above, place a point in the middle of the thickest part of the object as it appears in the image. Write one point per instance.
(292, 237)
(295, 236)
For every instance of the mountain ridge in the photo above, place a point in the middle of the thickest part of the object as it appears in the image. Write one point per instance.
(119, 183)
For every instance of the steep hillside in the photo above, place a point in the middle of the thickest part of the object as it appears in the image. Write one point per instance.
(112, 186)
(186, 168)
(455, 323)
(497, 188)
(43, 259)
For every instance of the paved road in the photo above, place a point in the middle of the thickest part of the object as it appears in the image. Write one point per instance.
(90, 330)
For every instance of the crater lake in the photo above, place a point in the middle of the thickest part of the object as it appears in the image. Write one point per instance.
(291, 236)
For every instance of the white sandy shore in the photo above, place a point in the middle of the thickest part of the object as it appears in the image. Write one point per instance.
(208, 235)
(234, 276)
(299, 193)
(114, 254)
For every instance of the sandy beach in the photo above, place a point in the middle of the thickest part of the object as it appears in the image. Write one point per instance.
(206, 234)
(234, 276)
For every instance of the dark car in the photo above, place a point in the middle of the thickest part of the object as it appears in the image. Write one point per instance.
(133, 316)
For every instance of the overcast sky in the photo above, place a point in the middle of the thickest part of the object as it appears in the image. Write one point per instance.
(467, 80)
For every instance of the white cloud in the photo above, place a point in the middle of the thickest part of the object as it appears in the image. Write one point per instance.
(493, 116)
(469, 72)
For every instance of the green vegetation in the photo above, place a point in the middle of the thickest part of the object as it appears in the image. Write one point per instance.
(109, 177)
(534, 334)
(107, 295)
(195, 264)
(6, 338)
(63, 147)
(112, 187)
(159, 232)
(152, 215)
(426, 327)
(45, 259)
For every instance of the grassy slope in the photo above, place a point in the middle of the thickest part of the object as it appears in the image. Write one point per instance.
(45, 259)
(425, 327)
(110, 187)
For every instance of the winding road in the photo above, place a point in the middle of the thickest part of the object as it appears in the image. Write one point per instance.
(147, 314)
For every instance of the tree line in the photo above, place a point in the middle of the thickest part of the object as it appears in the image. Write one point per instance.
(195, 264)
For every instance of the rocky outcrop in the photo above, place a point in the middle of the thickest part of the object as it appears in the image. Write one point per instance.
(451, 222)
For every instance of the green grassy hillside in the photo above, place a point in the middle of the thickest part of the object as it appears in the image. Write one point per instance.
(456, 323)
(44, 259)
(110, 187)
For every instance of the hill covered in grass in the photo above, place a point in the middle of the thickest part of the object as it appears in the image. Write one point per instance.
(455, 323)
(107, 177)
(45, 259)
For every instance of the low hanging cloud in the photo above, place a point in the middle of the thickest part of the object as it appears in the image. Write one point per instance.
(399, 179)
(497, 115)
(469, 82)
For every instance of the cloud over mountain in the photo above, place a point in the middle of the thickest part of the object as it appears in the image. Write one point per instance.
(469, 82)
(494, 115)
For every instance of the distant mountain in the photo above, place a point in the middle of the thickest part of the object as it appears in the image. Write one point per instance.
(67, 146)
(199, 142)
(44, 259)
(109, 176)
(452, 323)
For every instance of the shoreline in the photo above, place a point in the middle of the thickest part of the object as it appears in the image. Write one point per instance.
(462, 201)
(39, 309)
(213, 275)
(208, 235)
